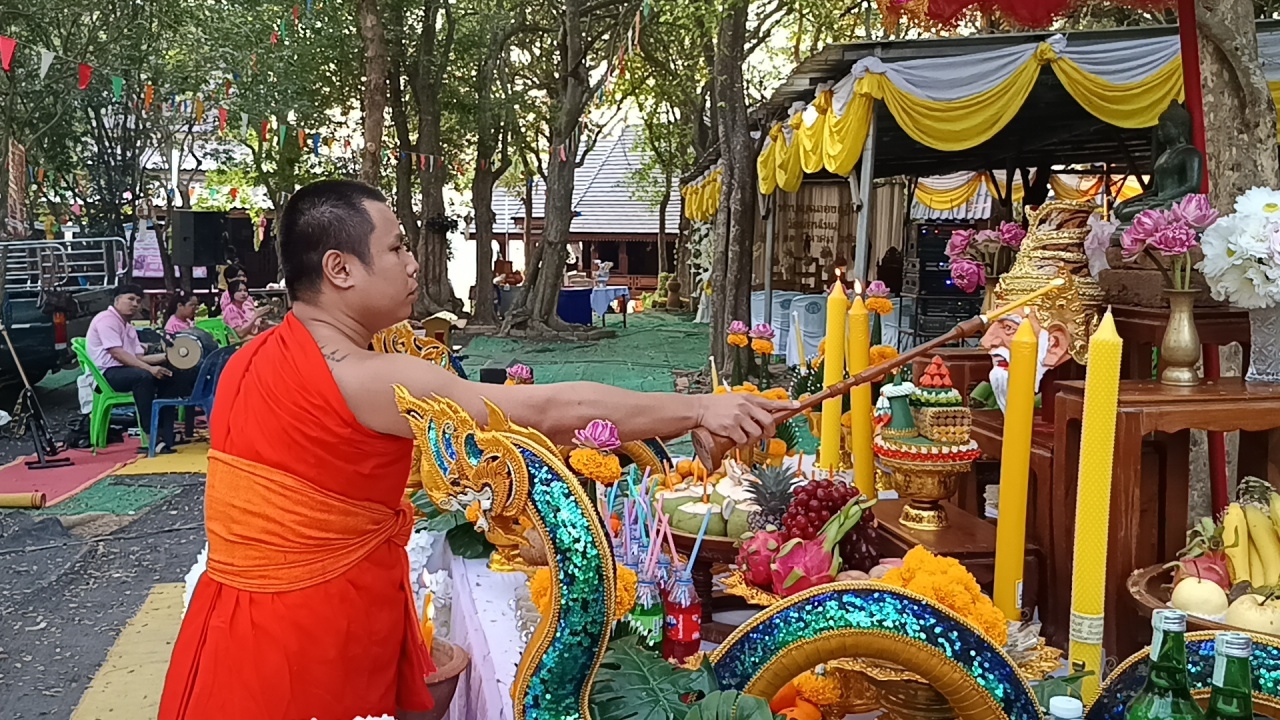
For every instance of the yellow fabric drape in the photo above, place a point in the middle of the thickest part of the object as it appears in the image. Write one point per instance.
(1121, 188)
(702, 198)
(943, 200)
(1018, 190)
(787, 169)
(766, 178)
(810, 138)
(1135, 105)
(844, 137)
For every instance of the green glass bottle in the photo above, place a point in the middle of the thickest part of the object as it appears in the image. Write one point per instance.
(1232, 697)
(1167, 694)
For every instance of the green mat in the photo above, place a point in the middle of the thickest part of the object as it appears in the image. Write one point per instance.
(113, 497)
(642, 356)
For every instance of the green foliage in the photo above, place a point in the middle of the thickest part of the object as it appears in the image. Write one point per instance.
(464, 540)
(730, 705)
(636, 684)
(1058, 686)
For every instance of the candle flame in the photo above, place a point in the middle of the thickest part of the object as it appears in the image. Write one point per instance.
(857, 287)
(839, 271)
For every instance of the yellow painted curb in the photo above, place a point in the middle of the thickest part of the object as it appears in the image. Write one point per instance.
(189, 459)
(129, 683)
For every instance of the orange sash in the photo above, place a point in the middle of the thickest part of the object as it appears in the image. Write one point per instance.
(270, 531)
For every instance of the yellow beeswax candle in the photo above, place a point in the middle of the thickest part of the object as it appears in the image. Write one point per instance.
(804, 361)
(1093, 502)
(860, 407)
(833, 372)
(428, 621)
(1015, 466)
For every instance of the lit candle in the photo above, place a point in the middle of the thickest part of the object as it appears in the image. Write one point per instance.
(1015, 465)
(429, 621)
(860, 405)
(833, 372)
(1093, 502)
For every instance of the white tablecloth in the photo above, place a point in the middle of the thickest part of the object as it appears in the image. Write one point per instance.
(601, 298)
(485, 624)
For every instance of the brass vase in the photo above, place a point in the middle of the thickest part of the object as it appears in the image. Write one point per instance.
(1180, 348)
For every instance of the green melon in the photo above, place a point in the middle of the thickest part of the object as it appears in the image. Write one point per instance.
(688, 519)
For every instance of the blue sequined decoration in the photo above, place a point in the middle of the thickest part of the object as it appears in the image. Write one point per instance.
(843, 610)
(473, 450)
(449, 450)
(558, 680)
(433, 440)
(1122, 686)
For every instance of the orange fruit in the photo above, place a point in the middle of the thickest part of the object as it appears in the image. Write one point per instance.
(673, 479)
(785, 698)
(802, 710)
(697, 470)
(685, 467)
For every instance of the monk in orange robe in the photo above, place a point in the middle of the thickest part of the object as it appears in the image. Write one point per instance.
(306, 609)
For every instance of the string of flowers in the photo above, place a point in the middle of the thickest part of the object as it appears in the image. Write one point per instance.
(1170, 234)
(978, 256)
(593, 458)
(519, 374)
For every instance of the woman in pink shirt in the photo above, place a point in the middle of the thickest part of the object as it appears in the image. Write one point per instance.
(239, 314)
(182, 313)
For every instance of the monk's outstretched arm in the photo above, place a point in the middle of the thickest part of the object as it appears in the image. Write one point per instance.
(557, 410)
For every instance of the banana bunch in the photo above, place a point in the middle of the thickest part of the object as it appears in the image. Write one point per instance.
(1251, 534)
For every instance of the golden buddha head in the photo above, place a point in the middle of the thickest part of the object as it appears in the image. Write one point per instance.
(1063, 319)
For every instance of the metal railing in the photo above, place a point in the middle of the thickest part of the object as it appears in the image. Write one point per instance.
(70, 265)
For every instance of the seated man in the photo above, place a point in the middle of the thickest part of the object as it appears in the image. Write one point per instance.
(115, 349)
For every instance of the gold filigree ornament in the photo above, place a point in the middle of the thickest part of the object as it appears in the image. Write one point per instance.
(1054, 248)
(402, 339)
(735, 583)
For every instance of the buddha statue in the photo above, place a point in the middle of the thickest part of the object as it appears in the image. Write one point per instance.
(1063, 319)
(1179, 168)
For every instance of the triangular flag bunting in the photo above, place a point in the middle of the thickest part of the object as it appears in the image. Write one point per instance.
(315, 144)
(308, 8)
(302, 139)
(275, 38)
(284, 129)
(222, 119)
(148, 95)
(199, 110)
(117, 87)
(235, 192)
(46, 59)
(86, 74)
(284, 29)
(266, 127)
(227, 86)
(244, 123)
(7, 45)
(295, 15)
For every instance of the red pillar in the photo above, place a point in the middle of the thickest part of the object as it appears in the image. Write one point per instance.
(1195, 106)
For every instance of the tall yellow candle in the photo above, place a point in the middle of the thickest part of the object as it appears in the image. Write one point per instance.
(832, 373)
(860, 407)
(804, 360)
(1015, 466)
(1093, 502)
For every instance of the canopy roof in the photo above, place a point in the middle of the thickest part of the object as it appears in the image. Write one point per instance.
(978, 102)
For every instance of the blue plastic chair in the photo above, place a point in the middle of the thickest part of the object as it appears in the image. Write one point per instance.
(201, 394)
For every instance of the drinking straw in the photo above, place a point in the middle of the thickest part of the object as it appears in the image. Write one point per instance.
(671, 541)
(613, 495)
(626, 528)
(655, 546)
(697, 544)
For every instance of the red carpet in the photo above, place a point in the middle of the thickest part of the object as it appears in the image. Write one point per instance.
(58, 484)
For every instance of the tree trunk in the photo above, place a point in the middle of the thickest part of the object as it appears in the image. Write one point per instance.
(662, 226)
(404, 164)
(482, 311)
(374, 41)
(734, 223)
(1240, 118)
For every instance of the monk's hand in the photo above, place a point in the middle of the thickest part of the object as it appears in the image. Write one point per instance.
(741, 417)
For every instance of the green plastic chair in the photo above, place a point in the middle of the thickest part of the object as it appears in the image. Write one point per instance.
(104, 397)
(221, 332)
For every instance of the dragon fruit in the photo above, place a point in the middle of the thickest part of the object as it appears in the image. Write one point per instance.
(803, 564)
(755, 557)
(1204, 556)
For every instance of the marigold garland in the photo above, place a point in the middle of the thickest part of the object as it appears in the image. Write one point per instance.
(879, 306)
(819, 689)
(603, 468)
(540, 590)
(737, 340)
(945, 581)
(778, 394)
(882, 353)
(760, 346)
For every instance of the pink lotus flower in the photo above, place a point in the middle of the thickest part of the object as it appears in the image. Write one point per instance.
(877, 289)
(520, 373)
(762, 332)
(986, 241)
(1195, 211)
(599, 435)
(968, 275)
(737, 327)
(1011, 235)
(1144, 228)
(1176, 238)
(959, 243)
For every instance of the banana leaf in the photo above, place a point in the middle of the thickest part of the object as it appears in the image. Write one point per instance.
(463, 538)
(730, 705)
(636, 684)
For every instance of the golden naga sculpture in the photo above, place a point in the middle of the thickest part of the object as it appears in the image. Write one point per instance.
(1065, 318)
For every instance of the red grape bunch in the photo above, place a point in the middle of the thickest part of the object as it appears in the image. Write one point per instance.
(813, 505)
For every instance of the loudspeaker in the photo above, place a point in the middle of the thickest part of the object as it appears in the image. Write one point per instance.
(197, 238)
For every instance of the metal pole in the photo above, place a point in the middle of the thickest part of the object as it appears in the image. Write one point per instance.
(769, 205)
(862, 249)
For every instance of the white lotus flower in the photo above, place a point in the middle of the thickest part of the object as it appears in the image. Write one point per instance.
(1259, 201)
(1218, 244)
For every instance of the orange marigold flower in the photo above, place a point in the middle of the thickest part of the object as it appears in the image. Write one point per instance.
(879, 306)
(760, 346)
(602, 468)
(778, 394)
(882, 353)
(945, 581)
(737, 340)
(626, 592)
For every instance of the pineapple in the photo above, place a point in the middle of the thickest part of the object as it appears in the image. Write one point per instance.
(772, 494)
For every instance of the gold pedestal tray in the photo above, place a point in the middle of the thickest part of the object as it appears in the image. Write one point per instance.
(924, 485)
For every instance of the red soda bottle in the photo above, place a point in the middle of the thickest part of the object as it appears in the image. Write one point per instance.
(683, 633)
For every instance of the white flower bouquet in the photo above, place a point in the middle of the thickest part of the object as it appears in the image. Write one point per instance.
(1242, 252)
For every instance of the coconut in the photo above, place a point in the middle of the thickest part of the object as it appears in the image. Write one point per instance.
(672, 499)
(731, 489)
(736, 524)
(1203, 598)
(688, 518)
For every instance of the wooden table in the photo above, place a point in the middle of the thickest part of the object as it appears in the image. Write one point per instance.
(1149, 492)
(1143, 329)
(968, 539)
